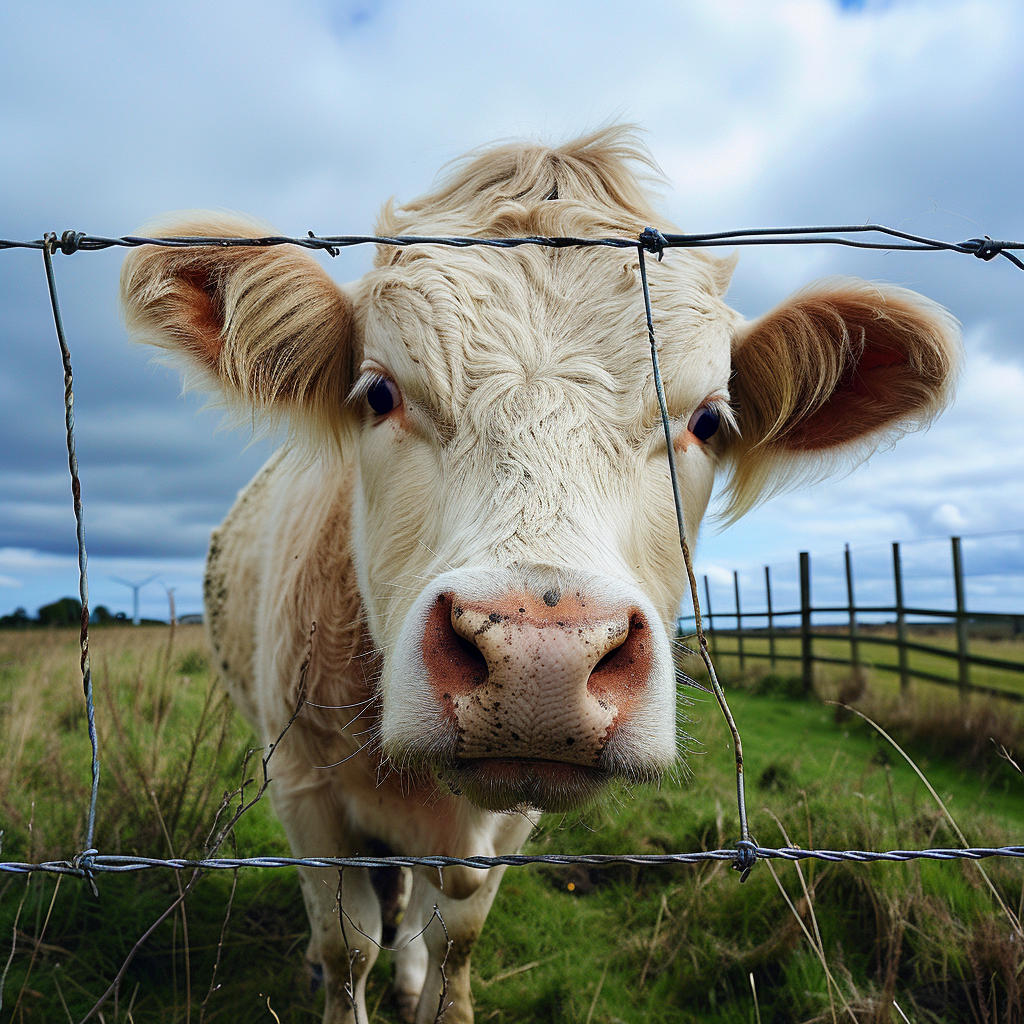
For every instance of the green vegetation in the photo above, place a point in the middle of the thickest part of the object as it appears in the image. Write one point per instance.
(647, 944)
(832, 645)
(65, 612)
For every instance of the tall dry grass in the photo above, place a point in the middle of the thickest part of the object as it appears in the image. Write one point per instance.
(166, 734)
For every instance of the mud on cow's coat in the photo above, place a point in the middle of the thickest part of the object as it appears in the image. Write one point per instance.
(474, 508)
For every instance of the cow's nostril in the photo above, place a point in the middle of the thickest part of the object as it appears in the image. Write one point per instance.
(472, 652)
(605, 662)
(625, 669)
(455, 664)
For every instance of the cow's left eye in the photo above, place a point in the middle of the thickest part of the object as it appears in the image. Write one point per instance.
(704, 423)
(383, 396)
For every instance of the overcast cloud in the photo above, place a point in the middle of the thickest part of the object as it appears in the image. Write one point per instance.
(310, 114)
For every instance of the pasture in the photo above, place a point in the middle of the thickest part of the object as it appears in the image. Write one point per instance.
(616, 944)
(878, 657)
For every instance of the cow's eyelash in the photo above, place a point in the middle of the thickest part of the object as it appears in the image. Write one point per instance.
(722, 406)
(363, 385)
(729, 426)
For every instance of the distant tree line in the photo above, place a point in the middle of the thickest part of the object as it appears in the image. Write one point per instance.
(65, 612)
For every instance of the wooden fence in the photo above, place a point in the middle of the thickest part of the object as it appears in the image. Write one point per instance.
(781, 639)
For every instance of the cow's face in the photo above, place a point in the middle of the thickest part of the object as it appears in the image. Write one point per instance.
(516, 538)
(514, 529)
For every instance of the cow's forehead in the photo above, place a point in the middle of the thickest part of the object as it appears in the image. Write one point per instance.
(455, 327)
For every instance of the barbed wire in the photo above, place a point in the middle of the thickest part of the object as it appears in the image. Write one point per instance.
(650, 239)
(747, 852)
(743, 852)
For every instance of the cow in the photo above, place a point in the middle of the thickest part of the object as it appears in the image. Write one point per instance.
(473, 506)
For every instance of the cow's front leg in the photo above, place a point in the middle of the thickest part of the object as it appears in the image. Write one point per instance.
(449, 944)
(411, 962)
(315, 829)
(345, 922)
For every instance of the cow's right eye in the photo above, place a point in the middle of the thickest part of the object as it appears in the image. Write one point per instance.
(704, 422)
(383, 396)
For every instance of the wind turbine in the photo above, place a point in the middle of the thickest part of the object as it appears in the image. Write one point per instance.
(136, 587)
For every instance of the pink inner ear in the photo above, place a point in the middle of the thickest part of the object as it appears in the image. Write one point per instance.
(859, 378)
(203, 316)
(875, 357)
(870, 395)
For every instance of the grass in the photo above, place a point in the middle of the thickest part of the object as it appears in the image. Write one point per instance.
(637, 944)
(878, 656)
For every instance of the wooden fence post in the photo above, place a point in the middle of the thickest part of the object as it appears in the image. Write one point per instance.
(710, 617)
(964, 677)
(771, 621)
(806, 654)
(854, 647)
(901, 618)
(739, 617)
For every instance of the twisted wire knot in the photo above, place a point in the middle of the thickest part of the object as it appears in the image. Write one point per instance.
(68, 243)
(332, 250)
(83, 862)
(985, 248)
(653, 240)
(746, 857)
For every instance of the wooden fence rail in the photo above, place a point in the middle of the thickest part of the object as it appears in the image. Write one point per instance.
(811, 638)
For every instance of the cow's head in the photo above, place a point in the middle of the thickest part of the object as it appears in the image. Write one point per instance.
(514, 529)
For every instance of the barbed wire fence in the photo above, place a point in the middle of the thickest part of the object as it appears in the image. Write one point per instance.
(746, 852)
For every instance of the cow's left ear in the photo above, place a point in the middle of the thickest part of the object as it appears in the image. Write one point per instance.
(837, 370)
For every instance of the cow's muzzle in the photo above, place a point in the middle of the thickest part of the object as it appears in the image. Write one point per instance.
(544, 694)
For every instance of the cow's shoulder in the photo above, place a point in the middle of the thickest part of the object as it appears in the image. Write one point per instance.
(309, 561)
(233, 583)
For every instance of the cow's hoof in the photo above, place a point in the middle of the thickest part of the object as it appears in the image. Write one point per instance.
(316, 977)
(406, 1004)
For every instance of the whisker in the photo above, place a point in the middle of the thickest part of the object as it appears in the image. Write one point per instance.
(436, 555)
(342, 707)
(320, 767)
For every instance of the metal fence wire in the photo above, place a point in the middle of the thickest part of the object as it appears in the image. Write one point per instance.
(746, 852)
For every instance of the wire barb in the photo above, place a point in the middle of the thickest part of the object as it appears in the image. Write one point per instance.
(987, 249)
(746, 858)
(653, 240)
(331, 250)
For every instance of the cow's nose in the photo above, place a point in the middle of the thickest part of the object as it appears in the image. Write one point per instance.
(566, 652)
(548, 677)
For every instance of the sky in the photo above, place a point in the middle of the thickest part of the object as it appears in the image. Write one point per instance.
(309, 114)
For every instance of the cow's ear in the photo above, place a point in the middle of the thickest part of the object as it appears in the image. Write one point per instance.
(837, 370)
(266, 326)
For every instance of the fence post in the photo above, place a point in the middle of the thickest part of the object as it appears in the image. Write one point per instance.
(901, 618)
(711, 618)
(771, 621)
(854, 646)
(964, 678)
(739, 617)
(806, 654)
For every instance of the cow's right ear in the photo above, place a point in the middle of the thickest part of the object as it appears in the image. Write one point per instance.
(266, 327)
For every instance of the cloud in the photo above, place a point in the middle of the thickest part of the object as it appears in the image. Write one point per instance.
(311, 113)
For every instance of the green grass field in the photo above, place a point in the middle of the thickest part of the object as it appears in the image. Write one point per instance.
(879, 656)
(601, 945)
